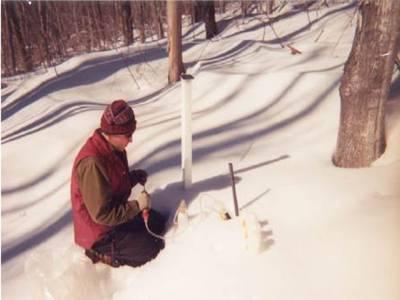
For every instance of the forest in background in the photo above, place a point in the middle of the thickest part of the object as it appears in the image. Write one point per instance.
(46, 33)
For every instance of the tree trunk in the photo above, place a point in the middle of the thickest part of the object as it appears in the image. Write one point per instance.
(196, 11)
(27, 28)
(139, 20)
(26, 60)
(365, 84)
(44, 38)
(99, 24)
(175, 64)
(89, 26)
(270, 6)
(208, 14)
(118, 21)
(8, 55)
(244, 6)
(157, 20)
(127, 23)
(75, 23)
(221, 6)
(57, 30)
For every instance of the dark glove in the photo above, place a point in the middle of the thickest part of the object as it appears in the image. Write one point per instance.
(138, 176)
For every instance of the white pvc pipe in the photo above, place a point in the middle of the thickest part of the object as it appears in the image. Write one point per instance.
(186, 118)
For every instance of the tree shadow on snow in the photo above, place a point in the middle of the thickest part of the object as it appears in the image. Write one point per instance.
(288, 15)
(70, 109)
(87, 73)
(394, 91)
(34, 239)
(83, 75)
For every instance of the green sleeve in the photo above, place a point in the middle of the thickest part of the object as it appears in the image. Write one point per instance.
(97, 195)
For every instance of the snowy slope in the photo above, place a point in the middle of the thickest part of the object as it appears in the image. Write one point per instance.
(326, 232)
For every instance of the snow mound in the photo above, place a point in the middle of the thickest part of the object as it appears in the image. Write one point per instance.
(64, 274)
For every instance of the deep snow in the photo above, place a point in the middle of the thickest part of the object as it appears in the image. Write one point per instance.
(327, 233)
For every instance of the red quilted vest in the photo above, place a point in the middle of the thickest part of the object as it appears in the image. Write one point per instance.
(85, 229)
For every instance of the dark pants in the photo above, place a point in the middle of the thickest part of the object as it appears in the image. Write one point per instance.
(130, 243)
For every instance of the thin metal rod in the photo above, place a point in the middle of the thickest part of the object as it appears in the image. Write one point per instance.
(186, 117)
(235, 202)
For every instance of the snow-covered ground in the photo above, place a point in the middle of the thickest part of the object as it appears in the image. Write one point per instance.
(326, 233)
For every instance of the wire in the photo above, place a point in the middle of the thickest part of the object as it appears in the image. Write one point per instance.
(146, 219)
(222, 212)
(151, 232)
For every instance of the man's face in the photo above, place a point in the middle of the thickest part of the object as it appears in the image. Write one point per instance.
(120, 141)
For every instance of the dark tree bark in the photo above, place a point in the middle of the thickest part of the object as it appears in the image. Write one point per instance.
(87, 24)
(95, 26)
(270, 6)
(208, 14)
(99, 24)
(221, 5)
(16, 29)
(127, 24)
(365, 84)
(175, 64)
(244, 5)
(76, 23)
(8, 56)
(43, 31)
(157, 19)
(204, 10)
(44, 38)
(56, 30)
(196, 13)
(5, 40)
(139, 19)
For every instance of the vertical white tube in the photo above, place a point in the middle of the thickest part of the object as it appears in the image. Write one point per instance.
(186, 142)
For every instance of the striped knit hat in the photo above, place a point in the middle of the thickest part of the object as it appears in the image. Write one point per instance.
(118, 118)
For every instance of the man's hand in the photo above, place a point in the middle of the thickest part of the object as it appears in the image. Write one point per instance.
(143, 200)
(138, 176)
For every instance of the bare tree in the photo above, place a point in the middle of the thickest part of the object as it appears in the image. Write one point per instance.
(244, 5)
(175, 64)
(57, 30)
(365, 84)
(127, 23)
(208, 16)
(195, 11)
(156, 8)
(270, 6)
(139, 19)
(75, 23)
(221, 6)
(204, 10)
(44, 40)
(8, 61)
(37, 33)
(98, 22)
(13, 10)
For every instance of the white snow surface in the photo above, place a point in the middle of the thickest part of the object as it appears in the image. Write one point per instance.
(326, 232)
